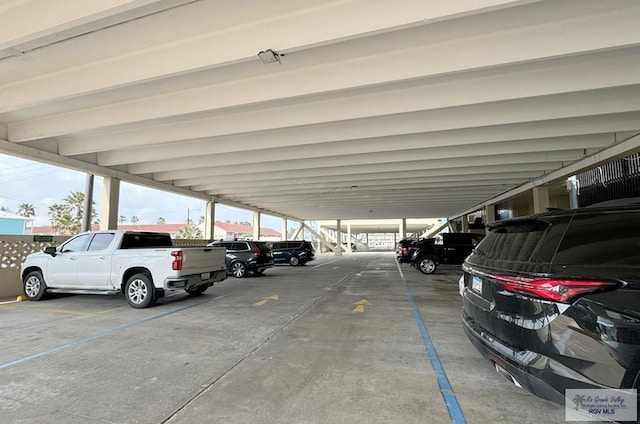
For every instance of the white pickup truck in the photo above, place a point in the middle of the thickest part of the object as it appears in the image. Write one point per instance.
(142, 265)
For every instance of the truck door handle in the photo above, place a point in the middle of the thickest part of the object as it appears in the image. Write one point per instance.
(102, 257)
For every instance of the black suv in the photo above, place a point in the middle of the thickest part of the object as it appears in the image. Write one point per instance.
(448, 248)
(244, 256)
(294, 252)
(553, 300)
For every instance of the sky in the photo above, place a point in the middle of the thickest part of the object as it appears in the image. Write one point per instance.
(25, 181)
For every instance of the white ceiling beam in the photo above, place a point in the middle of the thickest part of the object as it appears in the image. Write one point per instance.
(349, 180)
(612, 69)
(553, 147)
(32, 24)
(468, 137)
(279, 25)
(186, 178)
(554, 39)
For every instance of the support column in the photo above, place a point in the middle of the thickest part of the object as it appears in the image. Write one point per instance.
(110, 200)
(465, 223)
(210, 220)
(338, 251)
(349, 238)
(540, 199)
(403, 228)
(489, 214)
(256, 225)
(87, 209)
(285, 230)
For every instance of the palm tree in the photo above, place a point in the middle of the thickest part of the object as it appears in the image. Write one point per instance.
(122, 219)
(161, 220)
(134, 219)
(5, 209)
(26, 209)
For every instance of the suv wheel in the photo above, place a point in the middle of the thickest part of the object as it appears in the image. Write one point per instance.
(294, 261)
(427, 265)
(238, 269)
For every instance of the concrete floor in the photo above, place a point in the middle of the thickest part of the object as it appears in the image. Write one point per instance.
(336, 341)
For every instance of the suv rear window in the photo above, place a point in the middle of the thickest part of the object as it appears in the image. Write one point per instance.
(515, 242)
(602, 239)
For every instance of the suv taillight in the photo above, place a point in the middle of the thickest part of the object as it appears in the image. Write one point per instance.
(256, 253)
(557, 290)
(176, 265)
(404, 251)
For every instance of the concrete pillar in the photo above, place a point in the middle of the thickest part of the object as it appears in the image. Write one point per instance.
(210, 220)
(110, 200)
(465, 223)
(489, 214)
(349, 238)
(284, 230)
(338, 238)
(87, 209)
(540, 199)
(256, 225)
(403, 228)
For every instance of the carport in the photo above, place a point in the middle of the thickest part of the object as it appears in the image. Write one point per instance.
(313, 110)
(336, 111)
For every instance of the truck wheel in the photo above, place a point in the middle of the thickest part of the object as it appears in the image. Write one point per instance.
(238, 269)
(197, 290)
(34, 285)
(294, 261)
(139, 291)
(427, 265)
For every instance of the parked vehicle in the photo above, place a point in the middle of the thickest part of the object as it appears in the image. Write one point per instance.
(451, 248)
(406, 248)
(142, 265)
(553, 300)
(246, 256)
(295, 252)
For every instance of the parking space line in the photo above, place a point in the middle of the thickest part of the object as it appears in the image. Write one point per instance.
(448, 395)
(104, 334)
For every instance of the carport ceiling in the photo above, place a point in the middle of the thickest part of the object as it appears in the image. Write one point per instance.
(376, 109)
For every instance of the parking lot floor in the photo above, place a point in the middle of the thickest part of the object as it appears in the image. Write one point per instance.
(349, 339)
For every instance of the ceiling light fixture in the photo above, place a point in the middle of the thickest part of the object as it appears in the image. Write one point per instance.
(269, 56)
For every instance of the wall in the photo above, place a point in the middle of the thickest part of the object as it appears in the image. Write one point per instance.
(13, 251)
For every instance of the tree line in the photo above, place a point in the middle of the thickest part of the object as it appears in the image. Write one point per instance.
(66, 217)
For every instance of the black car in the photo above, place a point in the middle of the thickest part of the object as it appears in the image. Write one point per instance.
(244, 256)
(448, 248)
(294, 252)
(553, 300)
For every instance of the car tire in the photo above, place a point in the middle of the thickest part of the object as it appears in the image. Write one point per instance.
(197, 290)
(426, 265)
(34, 285)
(139, 291)
(238, 269)
(294, 261)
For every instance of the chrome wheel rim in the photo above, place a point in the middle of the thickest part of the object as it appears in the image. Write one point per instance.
(32, 286)
(427, 266)
(138, 291)
(238, 270)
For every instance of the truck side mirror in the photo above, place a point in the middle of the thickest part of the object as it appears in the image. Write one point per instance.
(50, 250)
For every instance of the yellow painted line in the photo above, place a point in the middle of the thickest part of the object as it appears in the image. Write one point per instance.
(55, 311)
(359, 309)
(266, 299)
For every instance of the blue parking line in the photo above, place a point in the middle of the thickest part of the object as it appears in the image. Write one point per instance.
(455, 412)
(99, 336)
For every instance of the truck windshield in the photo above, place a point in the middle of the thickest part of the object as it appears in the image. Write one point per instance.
(145, 240)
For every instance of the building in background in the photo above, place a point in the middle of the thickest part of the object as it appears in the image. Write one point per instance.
(14, 224)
